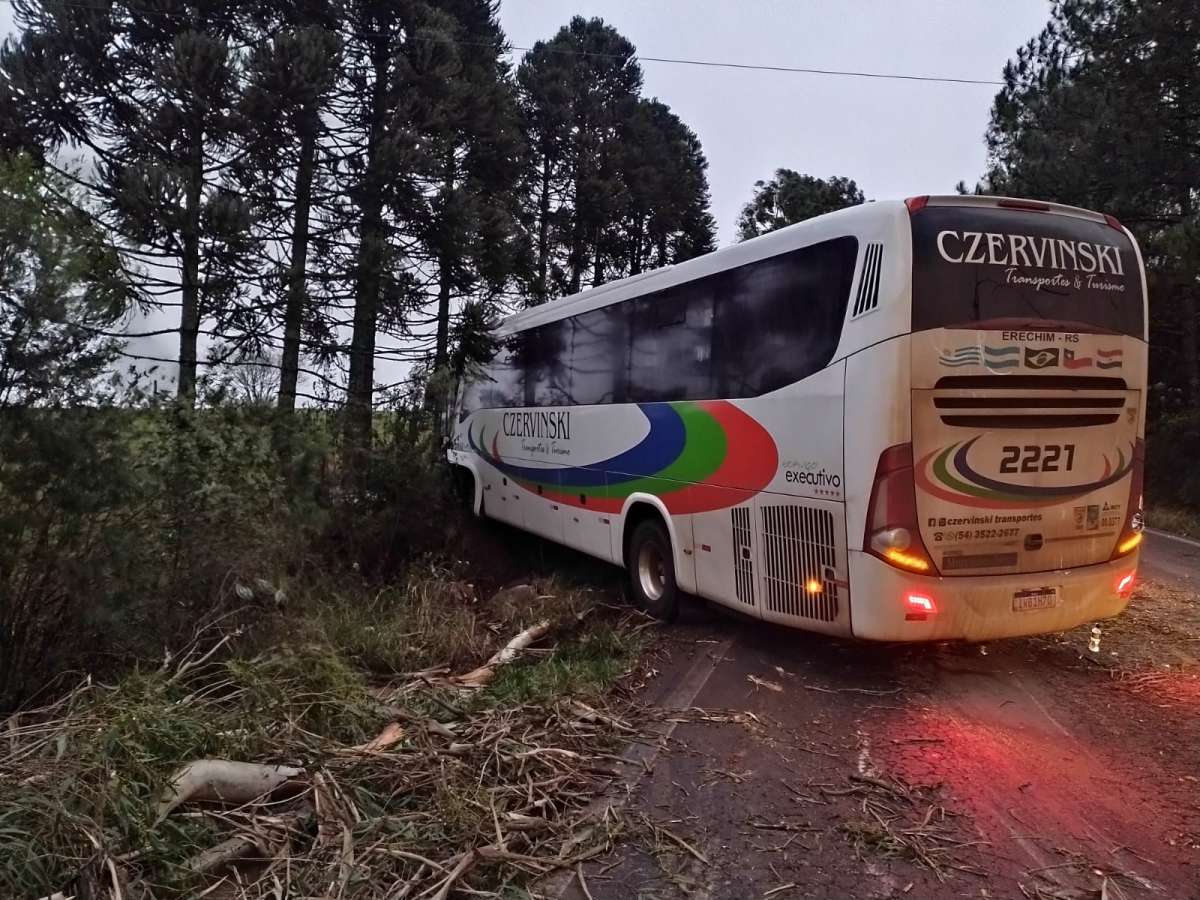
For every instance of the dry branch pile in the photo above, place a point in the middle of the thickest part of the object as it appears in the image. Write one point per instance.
(298, 778)
(906, 822)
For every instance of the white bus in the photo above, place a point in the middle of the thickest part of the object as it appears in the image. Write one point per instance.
(903, 421)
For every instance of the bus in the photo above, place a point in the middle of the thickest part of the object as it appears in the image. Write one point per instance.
(904, 421)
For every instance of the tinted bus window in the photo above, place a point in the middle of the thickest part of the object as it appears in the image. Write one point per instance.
(670, 354)
(599, 345)
(546, 355)
(780, 320)
(501, 383)
(975, 266)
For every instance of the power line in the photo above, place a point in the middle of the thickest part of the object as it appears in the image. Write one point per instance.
(709, 63)
(668, 60)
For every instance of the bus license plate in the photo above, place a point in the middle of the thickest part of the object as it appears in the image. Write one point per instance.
(1040, 598)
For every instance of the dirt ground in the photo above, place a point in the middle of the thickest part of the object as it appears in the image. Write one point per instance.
(789, 765)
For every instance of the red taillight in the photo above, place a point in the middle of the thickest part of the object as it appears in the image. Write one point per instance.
(893, 530)
(916, 204)
(1125, 584)
(919, 607)
(1113, 222)
(1034, 205)
(1131, 531)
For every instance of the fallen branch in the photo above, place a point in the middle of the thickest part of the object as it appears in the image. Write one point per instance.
(226, 853)
(224, 781)
(484, 674)
(392, 734)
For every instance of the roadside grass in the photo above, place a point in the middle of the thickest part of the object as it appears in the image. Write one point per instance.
(492, 779)
(1173, 519)
(586, 669)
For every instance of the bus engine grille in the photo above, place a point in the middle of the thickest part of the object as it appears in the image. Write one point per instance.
(798, 550)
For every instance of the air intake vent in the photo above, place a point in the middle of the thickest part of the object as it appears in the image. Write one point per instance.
(743, 555)
(868, 283)
(798, 552)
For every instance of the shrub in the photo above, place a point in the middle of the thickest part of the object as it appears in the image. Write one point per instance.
(122, 530)
(1172, 445)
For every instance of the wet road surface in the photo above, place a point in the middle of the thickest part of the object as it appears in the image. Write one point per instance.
(792, 765)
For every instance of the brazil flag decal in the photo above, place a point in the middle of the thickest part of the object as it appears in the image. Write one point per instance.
(692, 454)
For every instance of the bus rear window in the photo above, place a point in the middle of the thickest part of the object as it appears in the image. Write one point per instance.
(978, 267)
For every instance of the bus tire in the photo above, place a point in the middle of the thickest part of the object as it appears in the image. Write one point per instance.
(651, 566)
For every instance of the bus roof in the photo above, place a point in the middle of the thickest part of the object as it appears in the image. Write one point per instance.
(836, 224)
(844, 222)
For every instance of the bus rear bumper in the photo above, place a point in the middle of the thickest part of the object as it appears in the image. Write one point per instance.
(979, 608)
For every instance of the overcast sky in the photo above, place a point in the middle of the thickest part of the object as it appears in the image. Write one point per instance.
(895, 138)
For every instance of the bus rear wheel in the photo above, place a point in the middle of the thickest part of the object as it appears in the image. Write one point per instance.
(651, 566)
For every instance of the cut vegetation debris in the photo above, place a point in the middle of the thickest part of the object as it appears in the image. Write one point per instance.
(296, 772)
(902, 821)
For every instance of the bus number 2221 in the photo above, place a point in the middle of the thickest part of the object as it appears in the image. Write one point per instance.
(1035, 458)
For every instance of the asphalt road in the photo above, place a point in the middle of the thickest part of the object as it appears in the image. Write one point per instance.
(790, 765)
(1171, 560)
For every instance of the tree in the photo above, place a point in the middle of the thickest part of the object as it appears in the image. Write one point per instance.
(148, 93)
(790, 197)
(666, 218)
(62, 291)
(424, 149)
(1099, 111)
(290, 77)
(578, 91)
(616, 183)
(475, 236)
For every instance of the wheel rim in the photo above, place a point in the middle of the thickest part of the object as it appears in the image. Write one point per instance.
(652, 571)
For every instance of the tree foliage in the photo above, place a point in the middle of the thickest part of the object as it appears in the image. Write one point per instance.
(615, 183)
(790, 197)
(1099, 111)
(62, 291)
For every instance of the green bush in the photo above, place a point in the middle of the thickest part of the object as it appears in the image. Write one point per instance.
(122, 530)
(1172, 447)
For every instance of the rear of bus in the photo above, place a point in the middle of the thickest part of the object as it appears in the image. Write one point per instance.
(1015, 507)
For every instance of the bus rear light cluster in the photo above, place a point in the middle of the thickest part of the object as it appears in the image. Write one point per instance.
(893, 531)
(1131, 531)
(918, 607)
(1125, 585)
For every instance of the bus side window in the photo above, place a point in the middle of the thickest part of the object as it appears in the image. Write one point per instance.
(671, 347)
(502, 381)
(599, 342)
(779, 320)
(546, 355)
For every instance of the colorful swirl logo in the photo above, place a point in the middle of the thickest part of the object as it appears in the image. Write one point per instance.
(697, 456)
(947, 474)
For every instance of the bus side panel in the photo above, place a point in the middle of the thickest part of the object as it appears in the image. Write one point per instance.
(877, 417)
(725, 557)
(543, 513)
(586, 529)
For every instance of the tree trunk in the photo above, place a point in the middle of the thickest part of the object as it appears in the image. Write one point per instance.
(293, 316)
(635, 250)
(542, 289)
(441, 350)
(597, 260)
(189, 233)
(360, 386)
